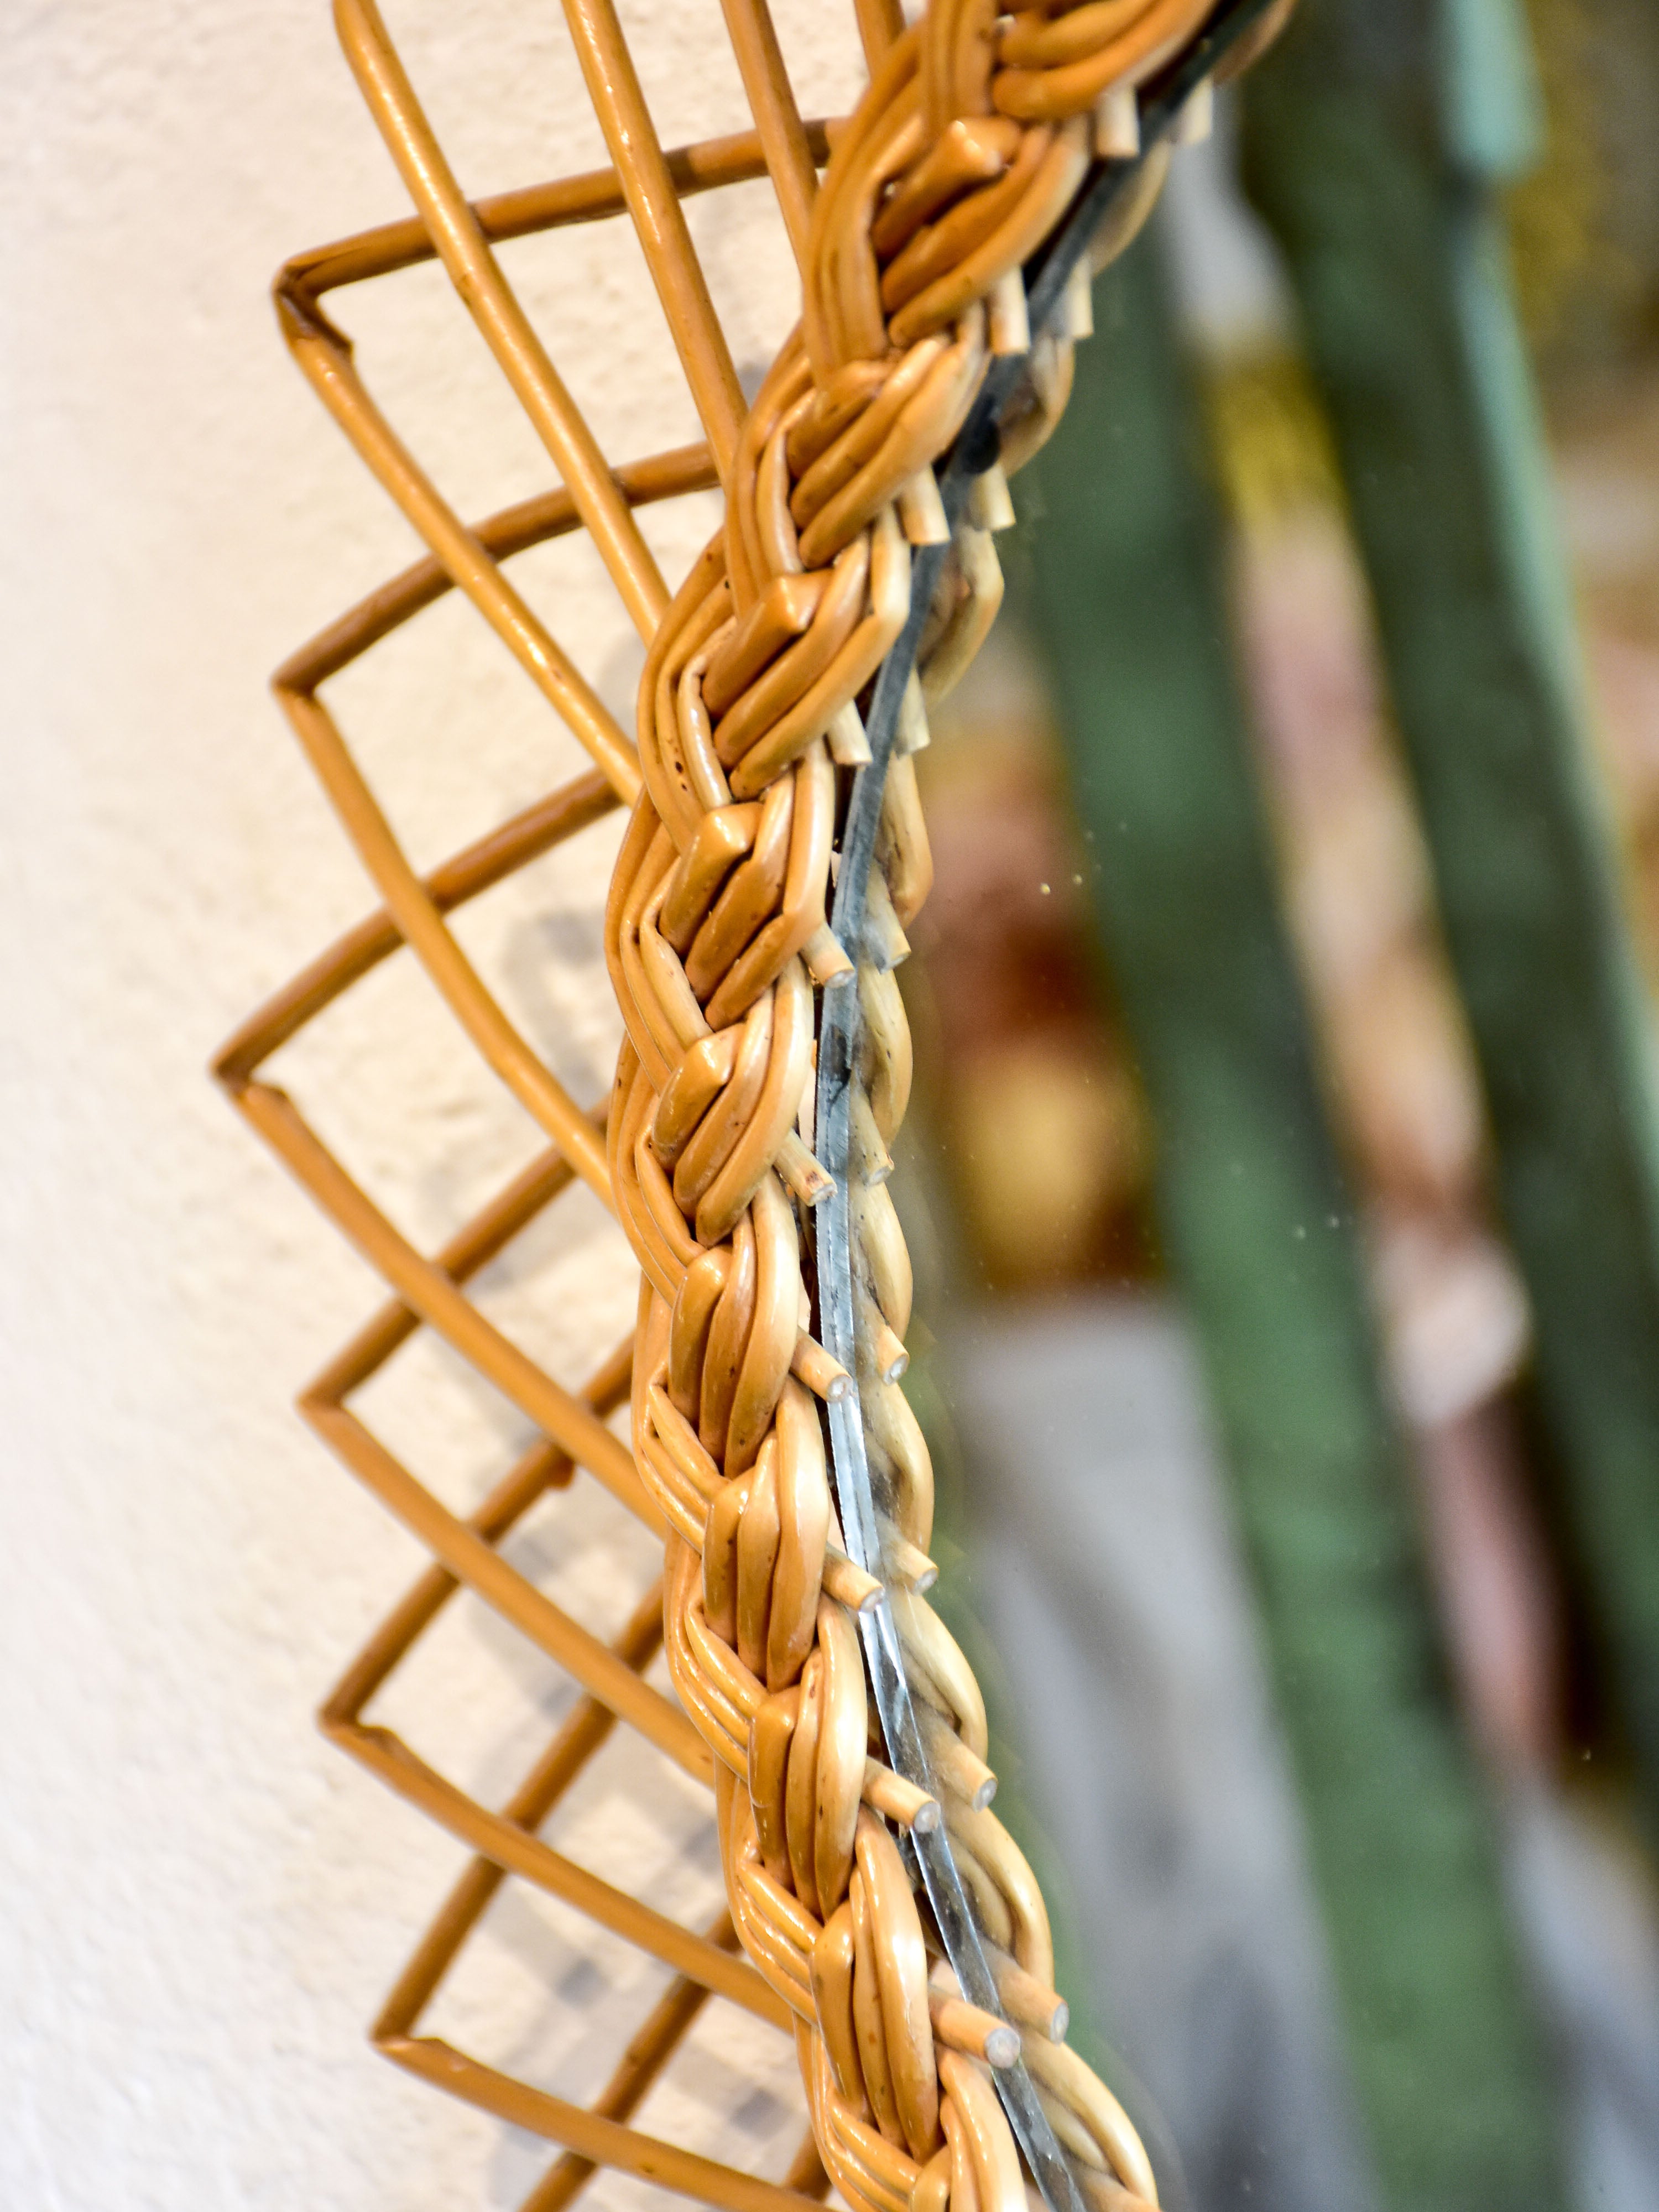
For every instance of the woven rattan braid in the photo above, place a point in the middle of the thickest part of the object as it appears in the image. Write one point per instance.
(773, 854)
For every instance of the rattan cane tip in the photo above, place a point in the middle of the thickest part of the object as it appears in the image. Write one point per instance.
(849, 1584)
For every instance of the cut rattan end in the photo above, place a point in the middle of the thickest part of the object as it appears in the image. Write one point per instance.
(885, 946)
(845, 1582)
(1117, 123)
(906, 1562)
(1010, 316)
(964, 2027)
(826, 960)
(848, 746)
(922, 510)
(899, 1801)
(1028, 2002)
(1197, 119)
(806, 1175)
(990, 502)
(1077, 302)
(914, 735)
(820, 1371)
(892, 1360)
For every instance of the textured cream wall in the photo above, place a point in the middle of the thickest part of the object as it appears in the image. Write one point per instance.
(204, 1904)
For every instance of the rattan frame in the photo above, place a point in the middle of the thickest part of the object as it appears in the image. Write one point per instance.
(900, 2050)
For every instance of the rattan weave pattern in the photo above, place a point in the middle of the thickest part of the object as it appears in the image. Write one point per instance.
(912, 222)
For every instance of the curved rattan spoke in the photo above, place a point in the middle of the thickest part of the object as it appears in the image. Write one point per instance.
(530, 211)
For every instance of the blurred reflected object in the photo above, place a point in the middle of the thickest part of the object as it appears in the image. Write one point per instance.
(1118, 1574)
(1042, 1123)
(1455, 1316)
(1607, 461)
(1049, 1128)
(1405, 706)
(1584, 220)
(1379, 157)
(1584, 226)
(1585, 1894)
(1404, 1086)
(1497, 1591)
(1124, 584)
(1359, 902)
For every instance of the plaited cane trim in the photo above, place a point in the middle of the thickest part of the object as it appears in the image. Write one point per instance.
(968, 151)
